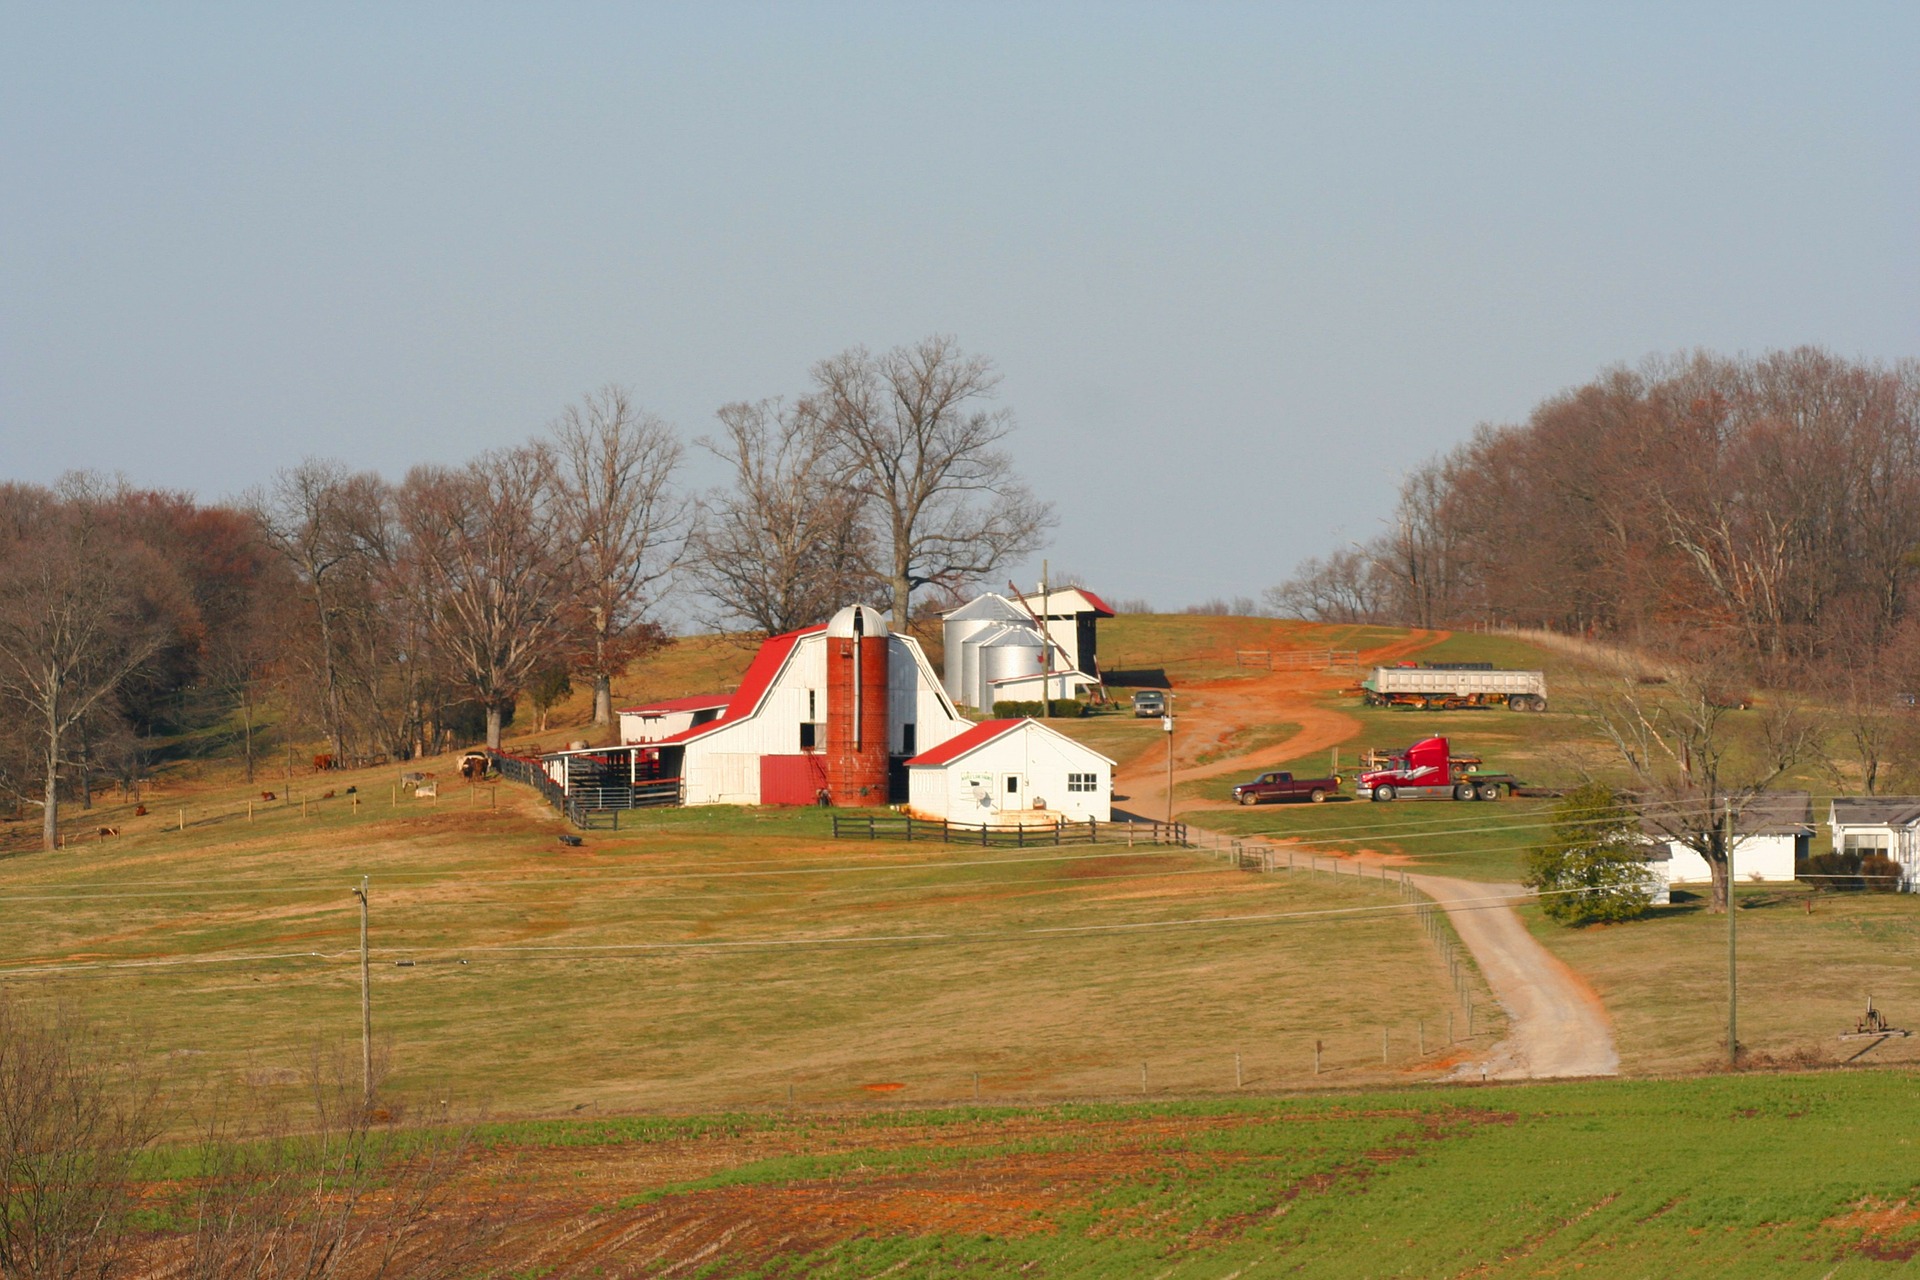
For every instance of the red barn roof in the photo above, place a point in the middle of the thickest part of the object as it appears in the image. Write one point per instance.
(978, 736)
(766, 664)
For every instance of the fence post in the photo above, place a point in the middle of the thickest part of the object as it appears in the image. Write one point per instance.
(1238, 1078)
(1316, 1057)
(1422, 1032)
(1383, 1046)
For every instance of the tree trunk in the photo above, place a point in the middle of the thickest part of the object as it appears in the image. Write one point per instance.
(602, 700)
(50, 819)
(1717, 901)
(902, 593)
(493, 726)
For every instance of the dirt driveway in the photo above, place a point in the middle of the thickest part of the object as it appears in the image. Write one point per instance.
(1557, 1026)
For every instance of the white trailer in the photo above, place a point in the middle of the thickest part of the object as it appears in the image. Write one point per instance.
(1455, 688)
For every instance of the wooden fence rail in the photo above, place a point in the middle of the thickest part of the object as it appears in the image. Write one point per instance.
(869, 826)
(1299, 659)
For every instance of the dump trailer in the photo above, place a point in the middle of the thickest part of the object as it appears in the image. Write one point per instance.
(1428, 770)
(1457, 687)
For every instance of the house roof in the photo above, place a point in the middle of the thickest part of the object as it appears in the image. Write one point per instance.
(1767, 813)
(1876, 811)
(983, 733)
(697, 702)
(1061, 601)
(766, 664)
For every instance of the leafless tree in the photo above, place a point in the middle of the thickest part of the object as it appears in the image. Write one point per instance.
(1345, 587)
(75, 1114)
(1694, 755)
(784, 546)
(495, 565)
(616, 467)
(913, 441)
(80, 612)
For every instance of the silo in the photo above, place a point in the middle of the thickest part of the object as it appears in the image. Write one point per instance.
(964, 628)
(857, 707)
(1015, 653)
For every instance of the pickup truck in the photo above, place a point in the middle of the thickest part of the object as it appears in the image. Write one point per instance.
(1284, 786)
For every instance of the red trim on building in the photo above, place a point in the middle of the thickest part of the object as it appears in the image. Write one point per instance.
(698, 702)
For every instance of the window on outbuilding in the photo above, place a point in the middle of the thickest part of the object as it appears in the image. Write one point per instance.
(1083, 782)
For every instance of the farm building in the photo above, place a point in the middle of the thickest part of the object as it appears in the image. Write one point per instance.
(1001, 650)
(832, 711)
(1010, 771)
(1887, 825)
(654, 721)
(1770, 832)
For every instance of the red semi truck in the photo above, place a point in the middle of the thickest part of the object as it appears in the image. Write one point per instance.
(1428, 770)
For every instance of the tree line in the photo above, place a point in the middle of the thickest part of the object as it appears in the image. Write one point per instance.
(1771, 502)
(394, 618)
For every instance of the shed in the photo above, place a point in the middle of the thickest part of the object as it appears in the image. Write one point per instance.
(1008, 772)
(1880, 824)
(654, 721)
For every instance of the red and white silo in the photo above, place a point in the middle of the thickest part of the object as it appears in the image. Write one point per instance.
(857, 707)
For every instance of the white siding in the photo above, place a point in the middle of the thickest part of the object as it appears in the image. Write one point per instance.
(1763, 858)
(973, 788)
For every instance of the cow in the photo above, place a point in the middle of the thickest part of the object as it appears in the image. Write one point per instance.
(268, 795)
(322, 763)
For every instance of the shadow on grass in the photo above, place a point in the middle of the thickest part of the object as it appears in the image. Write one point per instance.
(1140, 678)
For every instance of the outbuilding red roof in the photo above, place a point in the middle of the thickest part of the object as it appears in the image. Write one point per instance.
(697, 702)
(954, 748)
(766, 664)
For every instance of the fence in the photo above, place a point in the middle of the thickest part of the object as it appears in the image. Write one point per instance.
(1299, 659)
(588, 808)
(898, 826)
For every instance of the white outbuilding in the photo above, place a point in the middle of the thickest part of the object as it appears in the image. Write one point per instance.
(1770, 833)
(1885, 825)
(1008, 772)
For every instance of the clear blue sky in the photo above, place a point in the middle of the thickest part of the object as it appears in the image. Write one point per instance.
(1240, 265)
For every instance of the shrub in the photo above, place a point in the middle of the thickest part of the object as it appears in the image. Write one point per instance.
(1852, 872)
(1065, 708)
(1592, 869)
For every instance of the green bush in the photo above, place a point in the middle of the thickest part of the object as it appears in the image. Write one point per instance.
(1871, 872)
(1064, 708)
(1592, 869)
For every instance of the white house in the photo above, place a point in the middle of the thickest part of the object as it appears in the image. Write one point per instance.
(1010, 772)
(1880, 824)
(1770, 833)
(655, 721)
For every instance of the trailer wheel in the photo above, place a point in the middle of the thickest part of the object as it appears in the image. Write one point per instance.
(1247, 797)
(1317, 796)
(1489, 791)
(1383, 793)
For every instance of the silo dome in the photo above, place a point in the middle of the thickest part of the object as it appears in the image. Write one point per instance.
(857, 619)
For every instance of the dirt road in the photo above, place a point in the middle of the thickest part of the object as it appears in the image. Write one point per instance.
(1556, 1024)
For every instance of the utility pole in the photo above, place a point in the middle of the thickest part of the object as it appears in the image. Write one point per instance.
(366, 1002)
(1733, 986)
(1166, 723)
(1046, 647)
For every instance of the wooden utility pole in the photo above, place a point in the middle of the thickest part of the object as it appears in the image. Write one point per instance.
(1166, 723)
(1046, 649)
(366, 1001)
(1733, 985)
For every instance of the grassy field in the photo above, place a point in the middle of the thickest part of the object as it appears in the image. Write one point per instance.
(1808, 1175)
(706, 958)
(1804, 977)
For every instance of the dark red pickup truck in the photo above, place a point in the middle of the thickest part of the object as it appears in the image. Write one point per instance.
(1284, 786)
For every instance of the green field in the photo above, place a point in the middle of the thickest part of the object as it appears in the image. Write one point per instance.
(1792, 1176)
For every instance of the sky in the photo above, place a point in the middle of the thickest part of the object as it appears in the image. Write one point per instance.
(1240, 266)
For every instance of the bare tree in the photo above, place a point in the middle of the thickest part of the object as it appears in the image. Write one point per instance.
(80, 612)
(495, 560)
(1694, 755)
(616, 470)
(1345, 587)
(784, 546)
(913, 442)
(74, 1116)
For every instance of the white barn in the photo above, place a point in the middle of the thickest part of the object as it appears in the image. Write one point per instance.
(1887, 825)
(1010, 772)
(1771, 832)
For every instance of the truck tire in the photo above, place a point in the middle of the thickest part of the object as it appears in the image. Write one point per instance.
(1317, 796)
(1462, 791)
(1489, 791)
(1383, 793)
(1248, 798)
